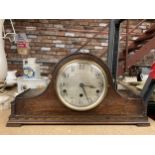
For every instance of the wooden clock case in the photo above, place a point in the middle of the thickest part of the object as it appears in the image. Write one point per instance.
(37, 107)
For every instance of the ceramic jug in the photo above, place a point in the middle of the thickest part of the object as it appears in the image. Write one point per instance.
(11, 77)
(31, 68)
(3, 61)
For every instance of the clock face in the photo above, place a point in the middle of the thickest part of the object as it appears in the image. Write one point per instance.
(81, 84)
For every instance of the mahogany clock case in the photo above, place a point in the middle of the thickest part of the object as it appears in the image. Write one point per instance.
(37, 107)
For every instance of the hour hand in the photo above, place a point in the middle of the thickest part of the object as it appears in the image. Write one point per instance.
(86, 85)
(90, 86)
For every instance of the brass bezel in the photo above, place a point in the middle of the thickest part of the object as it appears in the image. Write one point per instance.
(100, 98)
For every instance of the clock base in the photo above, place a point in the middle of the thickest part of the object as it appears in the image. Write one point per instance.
(79, 120)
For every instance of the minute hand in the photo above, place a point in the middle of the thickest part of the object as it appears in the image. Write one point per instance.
(82, 86)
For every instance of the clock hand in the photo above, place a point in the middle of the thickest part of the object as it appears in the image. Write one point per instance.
(86, 85)
(90, 86)
(84, 91)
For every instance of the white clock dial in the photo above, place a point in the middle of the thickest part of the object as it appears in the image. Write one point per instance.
(81, 84)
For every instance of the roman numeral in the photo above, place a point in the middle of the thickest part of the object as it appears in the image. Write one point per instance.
(72, 69)
(65, 75)
(81, 66)
(97, 75)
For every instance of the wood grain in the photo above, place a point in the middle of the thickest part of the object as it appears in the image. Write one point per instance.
(46, 108)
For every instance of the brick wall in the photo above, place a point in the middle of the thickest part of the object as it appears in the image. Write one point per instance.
(51, 40)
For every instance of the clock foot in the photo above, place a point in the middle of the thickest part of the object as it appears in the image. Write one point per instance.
(13, 125)
(143, 124)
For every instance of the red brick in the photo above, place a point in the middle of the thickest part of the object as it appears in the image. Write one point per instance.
(47, 34)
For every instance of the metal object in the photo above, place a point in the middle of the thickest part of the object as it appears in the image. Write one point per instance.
(145, 49)
(140, 47)
(112, 58)
(6, 35)
(127, 42)
(89, 40)
(132, 30)
(124, 34)
(149, 85)
(148, 89)
(147, 92)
